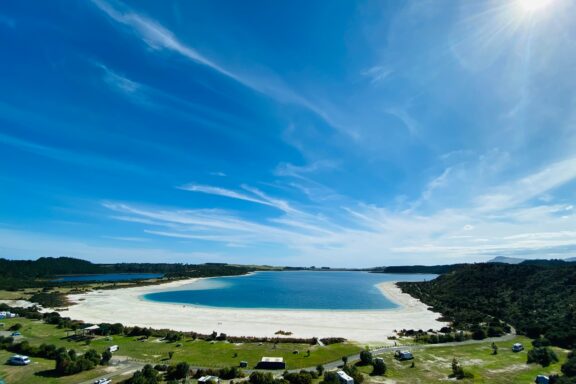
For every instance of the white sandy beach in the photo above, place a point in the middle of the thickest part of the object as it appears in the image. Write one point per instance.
(126, 306)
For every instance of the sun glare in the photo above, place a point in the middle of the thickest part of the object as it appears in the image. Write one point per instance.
(531, 6)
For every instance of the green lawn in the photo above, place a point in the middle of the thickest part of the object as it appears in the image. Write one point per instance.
(434, 364)
(38, 372)
(431, 364)
(196, 353)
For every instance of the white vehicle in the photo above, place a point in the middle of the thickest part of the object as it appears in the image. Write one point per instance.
(103, 381)
(19, 360)
(517, 347)
(113, 348)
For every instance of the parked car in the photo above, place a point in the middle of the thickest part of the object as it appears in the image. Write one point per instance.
(541, 379)
(403, 355)
(517, 347)
(19, 360)
(103, 381)
(16, 334)
(113, 348)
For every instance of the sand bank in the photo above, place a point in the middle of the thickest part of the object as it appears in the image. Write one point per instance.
(126, 306)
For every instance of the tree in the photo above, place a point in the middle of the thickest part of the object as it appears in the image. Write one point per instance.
(569, 367)
(258, 377)
(345, 359)
(170, 354)
(330, 378)
(15, 327)
(366, 357)
(106, 356)
(458, 372)
(353, 372)
(320, 369)
(542, 355)
(379, 367)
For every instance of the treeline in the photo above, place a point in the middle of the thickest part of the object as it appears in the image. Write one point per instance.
(20, 274)
(537, 301)
(431, 269)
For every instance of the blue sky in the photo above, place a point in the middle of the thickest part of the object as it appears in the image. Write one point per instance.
(336, 133)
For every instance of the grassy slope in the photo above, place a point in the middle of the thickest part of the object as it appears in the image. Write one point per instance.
(434, 364)
(197, 353)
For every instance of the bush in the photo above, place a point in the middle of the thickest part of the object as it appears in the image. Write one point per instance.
(15, 327)
(106, 356)
(331, 378)
(298, 378)
(543, 356)
(379, 367)
(178, 371)
(354, 373)
(458, 372)
(366, 357)
(569, 367)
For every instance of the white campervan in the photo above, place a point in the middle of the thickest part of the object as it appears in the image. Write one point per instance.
(19, 360)
(113, 348)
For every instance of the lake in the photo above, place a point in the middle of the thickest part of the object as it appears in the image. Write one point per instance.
(289, 290)
(111, 277)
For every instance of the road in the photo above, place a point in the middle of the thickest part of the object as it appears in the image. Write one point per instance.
(122, 367)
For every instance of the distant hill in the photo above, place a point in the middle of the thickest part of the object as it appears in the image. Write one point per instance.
(47, 266)
(506, 260)
(535, 299)
(15, 274)
(432, 269)
(517, 260)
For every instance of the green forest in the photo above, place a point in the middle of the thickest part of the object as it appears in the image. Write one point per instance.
(538, 300)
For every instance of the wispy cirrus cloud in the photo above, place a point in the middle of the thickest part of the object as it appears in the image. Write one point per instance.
(157, 37)
(71, 156)
(358, 230)
(255, 196)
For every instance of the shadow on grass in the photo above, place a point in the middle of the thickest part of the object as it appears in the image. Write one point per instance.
(48, 373)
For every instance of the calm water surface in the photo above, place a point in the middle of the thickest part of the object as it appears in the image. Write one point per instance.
(111, 277)
(289, 290)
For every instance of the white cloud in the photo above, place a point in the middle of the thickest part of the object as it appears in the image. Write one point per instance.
(378, 73)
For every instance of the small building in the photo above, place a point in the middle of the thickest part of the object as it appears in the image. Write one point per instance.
(517, 347)
(88, 331)
(209, 379)
(541, 379)
(344, 378)
(271, 363)
(403, 355)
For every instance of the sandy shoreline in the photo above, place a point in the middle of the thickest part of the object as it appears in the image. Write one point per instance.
(126, 306)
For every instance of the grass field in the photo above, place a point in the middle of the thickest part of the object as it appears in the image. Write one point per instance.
(38, 372)
(154, 350)
(434, 364)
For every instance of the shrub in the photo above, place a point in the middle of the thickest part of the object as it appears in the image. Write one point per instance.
(366, 357)
(379, 367)
(542, 355)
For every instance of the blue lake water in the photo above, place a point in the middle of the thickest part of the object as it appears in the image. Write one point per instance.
(111, 277)
(289, 290)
